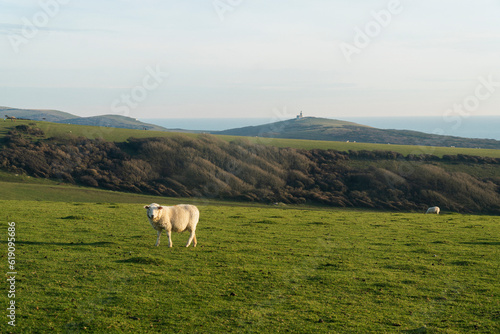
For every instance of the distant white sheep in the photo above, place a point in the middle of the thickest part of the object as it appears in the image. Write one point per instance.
(433, 209)
(178, 218)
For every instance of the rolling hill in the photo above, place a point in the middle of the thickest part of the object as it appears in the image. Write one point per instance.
(307, 128)
(37, 114)
(56, 116)
(113, 121)
(314, 128)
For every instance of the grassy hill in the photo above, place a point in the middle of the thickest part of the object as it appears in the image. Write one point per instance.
(37, 114)
(313, 128)
(56, 116)
(51, 129)
(303, 128)
(120, 135)
(114, 121)
(206, 166)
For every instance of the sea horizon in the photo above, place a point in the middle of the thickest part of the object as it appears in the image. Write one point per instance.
(484, 127)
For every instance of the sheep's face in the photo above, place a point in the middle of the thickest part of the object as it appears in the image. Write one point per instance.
(153, 211)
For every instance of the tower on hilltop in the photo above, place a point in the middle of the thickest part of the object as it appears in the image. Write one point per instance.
(299, 116)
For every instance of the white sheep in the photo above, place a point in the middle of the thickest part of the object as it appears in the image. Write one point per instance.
(433, 209)
(178, 218)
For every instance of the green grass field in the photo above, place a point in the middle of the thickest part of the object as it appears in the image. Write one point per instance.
(91, 267)
(120, 135)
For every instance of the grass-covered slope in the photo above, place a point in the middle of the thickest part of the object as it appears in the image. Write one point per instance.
(33, 190)
(51, 129)
(36, 114)
(301, 128)
(115, 121)
(206, 166)
(120, 135)
(84, 267)
(313, 128)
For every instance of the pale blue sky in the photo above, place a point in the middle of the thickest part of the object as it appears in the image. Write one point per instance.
(250, 58)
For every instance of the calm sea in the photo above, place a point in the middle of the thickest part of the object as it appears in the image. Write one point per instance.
(471, 127)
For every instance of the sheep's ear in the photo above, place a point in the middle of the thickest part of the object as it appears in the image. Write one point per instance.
(146, 206)
(160, 207)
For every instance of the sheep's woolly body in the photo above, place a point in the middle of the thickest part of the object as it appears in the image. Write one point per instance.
(178, 218)
(433, 209)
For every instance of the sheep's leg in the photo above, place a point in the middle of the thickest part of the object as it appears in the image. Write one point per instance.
(191, 238)
(169, 233)
(158, 238)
